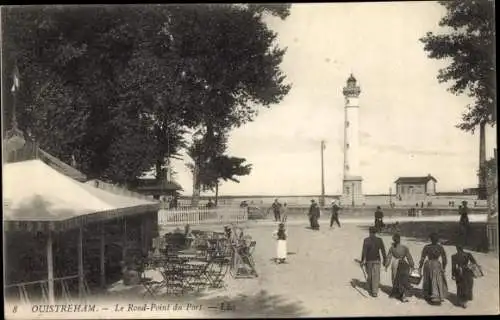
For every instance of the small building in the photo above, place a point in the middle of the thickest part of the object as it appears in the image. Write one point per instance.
(157, 189)
(471, 191)
(415, 187)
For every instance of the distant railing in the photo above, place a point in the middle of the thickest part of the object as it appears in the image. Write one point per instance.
(194, 216)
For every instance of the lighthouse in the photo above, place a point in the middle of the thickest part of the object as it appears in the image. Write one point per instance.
(351, 187)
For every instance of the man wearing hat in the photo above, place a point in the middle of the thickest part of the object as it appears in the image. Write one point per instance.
(373, 247)
(463, 211)
(314, 215)
(335, 214)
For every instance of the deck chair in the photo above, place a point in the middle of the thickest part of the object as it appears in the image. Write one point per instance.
(243, 261)
(23, 295)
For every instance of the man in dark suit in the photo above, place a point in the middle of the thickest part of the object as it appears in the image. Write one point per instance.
(373, 247)
(335, 214)
(314, 214)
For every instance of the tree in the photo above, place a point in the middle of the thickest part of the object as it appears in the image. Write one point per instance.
(97, 78)
(469, 42)
(229, 168)
(210, 165)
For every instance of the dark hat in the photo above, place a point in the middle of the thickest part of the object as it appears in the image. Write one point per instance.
(372, 230)
(434, 237)
(378, 207)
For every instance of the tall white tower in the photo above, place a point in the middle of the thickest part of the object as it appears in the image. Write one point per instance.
(352, 192)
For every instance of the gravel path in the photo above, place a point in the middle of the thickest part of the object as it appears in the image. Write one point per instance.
(318, 279)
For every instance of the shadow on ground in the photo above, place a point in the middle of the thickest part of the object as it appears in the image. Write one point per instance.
(362, 288)
(448, 233)
(259, 305)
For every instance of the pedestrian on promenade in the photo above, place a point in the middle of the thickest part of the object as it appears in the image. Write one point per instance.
(402, 263)
(434, 285)
(373, 247)
(335, 214)
(284, 213)
(463, 275)
(281, 249)
(464, 223)
(314, 214)
(276, 208)
(379, 219)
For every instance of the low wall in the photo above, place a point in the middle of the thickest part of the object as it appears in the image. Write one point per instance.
(448, 233)
(388, 212)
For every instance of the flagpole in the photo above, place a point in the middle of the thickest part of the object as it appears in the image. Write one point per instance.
(322, 199)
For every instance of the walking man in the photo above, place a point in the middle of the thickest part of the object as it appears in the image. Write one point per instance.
(373, 247)
(314, 214)
(379, 219)
(276, 207)
(463, 211)
(335, 214)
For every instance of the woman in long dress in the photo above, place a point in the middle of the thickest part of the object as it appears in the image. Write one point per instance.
(402, 263)
(434, 287)
(281, 249)
(463, 275)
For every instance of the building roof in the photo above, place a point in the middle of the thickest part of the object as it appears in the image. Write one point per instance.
(415, 180)
(31, 151)
(35, 192)
(151, 185)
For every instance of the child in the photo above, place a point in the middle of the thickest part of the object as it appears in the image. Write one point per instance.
(281, 245)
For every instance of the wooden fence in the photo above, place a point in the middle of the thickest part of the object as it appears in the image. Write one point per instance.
(195, 216)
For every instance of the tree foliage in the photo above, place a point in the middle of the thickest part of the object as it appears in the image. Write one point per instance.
(119, 86)
(469, 42)
(211, 164)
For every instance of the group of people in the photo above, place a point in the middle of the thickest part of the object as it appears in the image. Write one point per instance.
(431, 269)
(279, 211)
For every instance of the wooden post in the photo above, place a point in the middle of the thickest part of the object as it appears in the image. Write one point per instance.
(80, 262)
(322, 198)
(143, 234)
(50, 268)
(102, 254)
(124, 239)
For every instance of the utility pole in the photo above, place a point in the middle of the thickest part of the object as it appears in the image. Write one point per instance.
(390, 197)
(322, 199)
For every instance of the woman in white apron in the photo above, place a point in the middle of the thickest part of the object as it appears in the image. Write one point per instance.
(281, 249)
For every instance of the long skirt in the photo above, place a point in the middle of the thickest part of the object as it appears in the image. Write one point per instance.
(314, 222)
(434, 287)
(400, 275)
(373, 276)
(465, 284)
(281, 249)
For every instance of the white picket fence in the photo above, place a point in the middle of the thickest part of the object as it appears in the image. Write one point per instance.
(195, 216)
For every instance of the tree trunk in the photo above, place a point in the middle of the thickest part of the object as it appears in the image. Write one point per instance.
(216, 193)
(482, 194)
(196, 186)
(158, 170)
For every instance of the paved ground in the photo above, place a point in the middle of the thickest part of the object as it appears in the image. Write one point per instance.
(320, 279)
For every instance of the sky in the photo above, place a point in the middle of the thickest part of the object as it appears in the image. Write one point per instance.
(407, 119)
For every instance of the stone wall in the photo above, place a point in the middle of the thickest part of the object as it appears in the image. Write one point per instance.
(388, 212)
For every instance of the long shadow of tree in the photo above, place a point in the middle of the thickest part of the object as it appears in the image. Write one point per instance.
(413, 291)
(259, 305)
(448, 233)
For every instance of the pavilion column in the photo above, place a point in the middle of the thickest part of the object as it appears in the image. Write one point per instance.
(80, 263)
(143, 235)
(102, 254)
(50, 268)
(124, 239)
